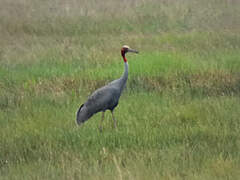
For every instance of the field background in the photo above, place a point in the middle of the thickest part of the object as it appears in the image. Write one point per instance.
(178, 118)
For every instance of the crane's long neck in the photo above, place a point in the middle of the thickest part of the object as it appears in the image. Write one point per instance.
(125, 74)
(124, 77)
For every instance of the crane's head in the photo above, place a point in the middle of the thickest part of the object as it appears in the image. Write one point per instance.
(125, 49)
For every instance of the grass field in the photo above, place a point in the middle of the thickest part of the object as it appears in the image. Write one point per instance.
(178, 118)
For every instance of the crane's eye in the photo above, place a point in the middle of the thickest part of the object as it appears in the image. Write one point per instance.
(124, 50)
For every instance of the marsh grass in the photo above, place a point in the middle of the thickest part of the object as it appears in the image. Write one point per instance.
(178, 117)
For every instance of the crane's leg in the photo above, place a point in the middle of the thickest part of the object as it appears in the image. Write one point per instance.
(114, 120)
(101, 123)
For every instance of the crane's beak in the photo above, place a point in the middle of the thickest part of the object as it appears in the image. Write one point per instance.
(132, 50)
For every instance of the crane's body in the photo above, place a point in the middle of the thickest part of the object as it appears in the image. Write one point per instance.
(106, 97)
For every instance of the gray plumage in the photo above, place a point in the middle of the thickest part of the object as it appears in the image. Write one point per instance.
(106, 97)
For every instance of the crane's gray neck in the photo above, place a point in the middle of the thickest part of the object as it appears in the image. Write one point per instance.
(124, 77)
(125, 74)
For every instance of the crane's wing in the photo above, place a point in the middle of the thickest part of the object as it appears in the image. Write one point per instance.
(102, 99)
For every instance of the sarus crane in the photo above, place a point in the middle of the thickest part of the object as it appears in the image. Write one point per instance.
(106, 97)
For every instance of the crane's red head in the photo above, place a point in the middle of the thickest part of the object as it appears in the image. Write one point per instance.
(126, 49)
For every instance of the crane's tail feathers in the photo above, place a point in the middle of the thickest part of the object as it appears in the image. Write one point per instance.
(79, 121)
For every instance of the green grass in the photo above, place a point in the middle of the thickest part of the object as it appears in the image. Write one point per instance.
(178, 118)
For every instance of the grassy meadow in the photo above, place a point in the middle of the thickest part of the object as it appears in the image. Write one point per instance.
(178, 118)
